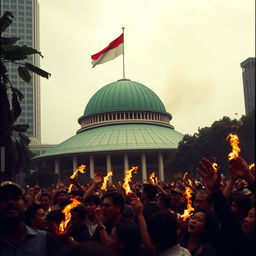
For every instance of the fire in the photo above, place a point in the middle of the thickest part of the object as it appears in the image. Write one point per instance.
(128, 178)
(251, 166)
(67, 213)
(188, 212)
(153, 178)
(234, 141)
(79, 169)
(105, 180)
(215, 166)
(185, 175)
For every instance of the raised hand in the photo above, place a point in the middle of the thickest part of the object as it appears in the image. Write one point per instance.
(239, 169)
(98, 212)
(211, 177)
(136, 204)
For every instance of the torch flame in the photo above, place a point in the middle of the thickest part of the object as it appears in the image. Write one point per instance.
(128, 178)
(67, 213)
(79, 169)
(105, 180)
(153, 178)
(188, 212)
(251, 166)
(215, 166)
(184, 176)
(234, 141)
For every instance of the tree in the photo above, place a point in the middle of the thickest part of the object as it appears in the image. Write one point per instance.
(13, 141)
(211, 142)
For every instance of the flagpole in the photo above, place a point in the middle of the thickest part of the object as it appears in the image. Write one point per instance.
(123, 56)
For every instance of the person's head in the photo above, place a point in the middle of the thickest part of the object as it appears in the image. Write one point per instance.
(202, 200)
(91, 203)
(35, 217)
(240, 205)
(113, 205)
(78, 216)
(128, 212)
(249, 222)
(126, 238)
(45, 200)
(164, 201)
(162, 228)
(61, 196)
(53, 220)
(77, 194)
(12, 203)
(176, 196)
(148, 192)
(203, 224)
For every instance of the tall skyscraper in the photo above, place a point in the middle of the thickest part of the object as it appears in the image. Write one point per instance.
(26, 27)
(249, 84)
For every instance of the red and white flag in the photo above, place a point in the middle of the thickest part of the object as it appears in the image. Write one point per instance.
(113, 50)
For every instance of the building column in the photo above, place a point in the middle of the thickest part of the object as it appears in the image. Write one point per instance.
(75, 163)
(109, 166)
(91, 166)
(161, 166)
(57, 166)
(126, 162)
(144, 167)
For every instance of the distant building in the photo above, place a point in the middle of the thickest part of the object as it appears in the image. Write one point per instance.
(124, 124)
(249, 84)
(26, 27)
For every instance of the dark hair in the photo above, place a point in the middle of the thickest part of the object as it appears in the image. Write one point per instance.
(211, 229)
(166, 199)
(81, 211)
(129, 233)
(76, 193)
(150, 191)
(117, 199)
(162, 228)
(92, 199)
(46, 194)
(203, 191)
(242, 201)
(31, 213)
(56, 216)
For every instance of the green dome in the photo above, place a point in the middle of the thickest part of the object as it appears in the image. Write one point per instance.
(124, 95)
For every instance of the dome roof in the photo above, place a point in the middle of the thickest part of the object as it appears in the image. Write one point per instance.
(124, 95)
(118, 137)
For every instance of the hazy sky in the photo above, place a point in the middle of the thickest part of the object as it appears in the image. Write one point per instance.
(187, 51)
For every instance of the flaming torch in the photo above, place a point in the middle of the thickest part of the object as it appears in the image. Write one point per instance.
(251, 166)
(234, 141)
(79, 169)
(188, 212)
(153, 178)
(128, 178)
(215, 166)
(105, 180)
(66, 211)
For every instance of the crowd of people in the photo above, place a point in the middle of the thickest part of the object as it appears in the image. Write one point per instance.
(148, 221)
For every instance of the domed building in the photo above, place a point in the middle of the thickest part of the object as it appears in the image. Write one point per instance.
(124, 124)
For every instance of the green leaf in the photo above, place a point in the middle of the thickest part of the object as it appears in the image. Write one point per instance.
(8, 41)
(37, 70)
(19, 52)
(18, 92)
(24, 74)
(5, 21)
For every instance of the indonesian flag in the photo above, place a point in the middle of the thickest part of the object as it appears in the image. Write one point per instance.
(113, 50)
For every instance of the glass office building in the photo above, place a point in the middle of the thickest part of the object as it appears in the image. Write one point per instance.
(26, 27)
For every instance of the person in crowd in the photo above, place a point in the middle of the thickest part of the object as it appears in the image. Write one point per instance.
(45, 201)
(177, 204)
(79, 230)
(35, 217)
(91, 203)
(53, 220)
(234, 240)
(240, 205)
(249, 223)
(62, 199)
(202, 200)
(202, 234)
(16, 238)
(126, 240)
(165, 202)
(148, 197)
(162, 229)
